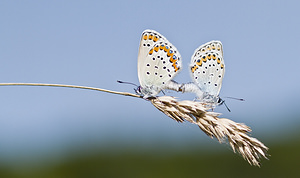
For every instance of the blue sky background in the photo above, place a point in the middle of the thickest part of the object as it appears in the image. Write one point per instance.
(95, 43)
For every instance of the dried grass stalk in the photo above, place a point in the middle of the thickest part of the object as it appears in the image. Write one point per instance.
(237, 134)
(223, 129)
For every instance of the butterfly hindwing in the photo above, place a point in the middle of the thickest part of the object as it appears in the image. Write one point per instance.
(207, 67)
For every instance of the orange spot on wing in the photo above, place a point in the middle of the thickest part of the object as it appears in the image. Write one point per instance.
(175, 67)
(199, 63)
(150, 37)
(209, 56)
(194, 68)
(166, 49)
(151, 51)
(145, 37)
(170, 54)
(214, 56)
(172, 60)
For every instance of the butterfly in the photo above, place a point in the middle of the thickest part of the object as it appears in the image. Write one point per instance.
(207, 70)
(158, 63)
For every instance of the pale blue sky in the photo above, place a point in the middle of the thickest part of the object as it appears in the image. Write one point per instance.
(95, 43)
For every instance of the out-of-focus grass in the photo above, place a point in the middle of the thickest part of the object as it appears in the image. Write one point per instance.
(284, 162)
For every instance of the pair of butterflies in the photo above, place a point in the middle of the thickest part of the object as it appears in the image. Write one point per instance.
(159, 62)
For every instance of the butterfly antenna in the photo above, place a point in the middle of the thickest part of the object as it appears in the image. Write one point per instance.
(127, 83)
(221, 101)
(240, 99)
(226, 106)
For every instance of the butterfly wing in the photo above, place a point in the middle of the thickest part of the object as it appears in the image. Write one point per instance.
(207, 67)
(158, 62)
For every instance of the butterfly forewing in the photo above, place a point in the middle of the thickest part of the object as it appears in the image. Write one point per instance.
(158, 62)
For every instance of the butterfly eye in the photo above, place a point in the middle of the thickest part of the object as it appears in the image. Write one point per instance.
(138, 90)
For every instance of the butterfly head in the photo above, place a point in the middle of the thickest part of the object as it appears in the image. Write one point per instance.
(147, 92)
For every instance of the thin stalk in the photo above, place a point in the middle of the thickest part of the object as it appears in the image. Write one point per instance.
(71, 86)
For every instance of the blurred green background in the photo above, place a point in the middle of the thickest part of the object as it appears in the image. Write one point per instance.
(160, 162)
(54, 132)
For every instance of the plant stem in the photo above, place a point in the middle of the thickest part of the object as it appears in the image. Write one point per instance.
(70, 86)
